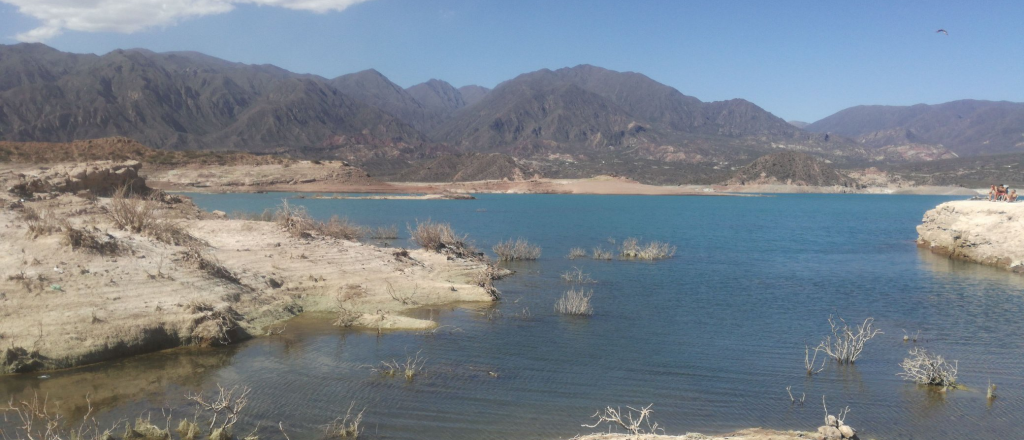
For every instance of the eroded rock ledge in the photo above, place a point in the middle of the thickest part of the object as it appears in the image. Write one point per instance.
(990, 233)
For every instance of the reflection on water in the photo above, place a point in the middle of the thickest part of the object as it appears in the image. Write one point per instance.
(712, 337)
(117, 384)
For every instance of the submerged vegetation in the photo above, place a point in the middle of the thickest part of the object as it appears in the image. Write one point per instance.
(575, 302)
(633, 249)
(519, 249)
(846, 343)
(924, 368)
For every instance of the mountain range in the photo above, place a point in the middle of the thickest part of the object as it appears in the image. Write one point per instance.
(566, 122)
(966, 127)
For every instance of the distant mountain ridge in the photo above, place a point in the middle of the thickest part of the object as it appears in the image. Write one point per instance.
(574, 121)
(966, 127)
(585, 111)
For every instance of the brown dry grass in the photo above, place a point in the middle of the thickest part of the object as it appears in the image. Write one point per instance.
(519, 249)
(440, 237)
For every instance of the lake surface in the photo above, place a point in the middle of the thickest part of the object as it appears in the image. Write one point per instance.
(711, 337)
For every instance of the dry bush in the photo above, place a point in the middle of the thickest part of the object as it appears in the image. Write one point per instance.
(520, 249)
(340, 228)
(439, 237)
(294, 220)
(389, 232)
(576, 252)
(346, 318)
(83, 239)
(173, 233)
(347, 426)
(131, 212)
(298, 223)
(835, 426)
(197, 305)
(403, 298)
(37, 419)
(636, 422)
(575, 302)
(577, 276)
(928, 369)
(601, 254)
(195, 256)
(846, 343)
(485, 279)
(633, 249)
(215, 327)
(39, 223)
(412, 366)
(225, 407)
(809, 361)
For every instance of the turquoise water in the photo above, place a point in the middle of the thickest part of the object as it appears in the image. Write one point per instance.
(711, 337)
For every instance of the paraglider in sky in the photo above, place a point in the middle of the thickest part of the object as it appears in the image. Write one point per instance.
(942, 31)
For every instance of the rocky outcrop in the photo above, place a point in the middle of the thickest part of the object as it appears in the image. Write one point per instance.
(100, 178)
(990, 233)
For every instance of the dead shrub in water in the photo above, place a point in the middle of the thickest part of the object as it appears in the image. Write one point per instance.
(636, 422)
(928, 369)
(601, 254)
(389, 232)
(36, 419)
(577, 276)
(347, 426)
(576, 252)
(131, 212)
(846, 343)
(520, 249)
(633, 249)
(83, 239)
(439, 237)
(225, 407)
(575, 302)
(809, 361)
(412, 366)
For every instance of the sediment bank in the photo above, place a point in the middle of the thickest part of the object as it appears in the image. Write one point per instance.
(76, 288)
(990, 233)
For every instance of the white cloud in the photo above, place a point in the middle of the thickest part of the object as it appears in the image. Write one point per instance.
(127, 16)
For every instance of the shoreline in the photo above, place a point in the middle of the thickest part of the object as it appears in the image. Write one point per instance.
(76, 288)
(979, 231)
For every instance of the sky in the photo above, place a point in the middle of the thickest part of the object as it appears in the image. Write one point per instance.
(801, 60)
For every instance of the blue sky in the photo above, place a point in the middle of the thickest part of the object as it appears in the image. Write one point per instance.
(800, 60)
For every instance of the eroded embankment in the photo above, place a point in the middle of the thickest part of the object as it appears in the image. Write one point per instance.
(77, 286)
(990, 233)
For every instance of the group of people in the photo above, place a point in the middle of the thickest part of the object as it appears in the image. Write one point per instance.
(1002, 193)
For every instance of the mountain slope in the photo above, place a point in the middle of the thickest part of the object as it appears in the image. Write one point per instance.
(439, 98)
(181, 101)
(373, 88)
(466, 168)
(967, 127)
(587, 110)
(472, 94)
(791, 168)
